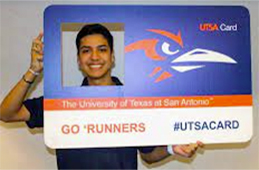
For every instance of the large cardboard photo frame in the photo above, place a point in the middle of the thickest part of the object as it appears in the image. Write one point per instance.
(187, 77)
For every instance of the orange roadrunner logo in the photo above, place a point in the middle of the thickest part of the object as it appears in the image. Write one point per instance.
(197, 55)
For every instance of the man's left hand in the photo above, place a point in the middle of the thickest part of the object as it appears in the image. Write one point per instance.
(187, 150)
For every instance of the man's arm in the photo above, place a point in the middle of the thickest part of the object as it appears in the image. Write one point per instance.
(11, 108)
(161, 152)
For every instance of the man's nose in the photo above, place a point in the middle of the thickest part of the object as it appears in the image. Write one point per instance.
(95, 55)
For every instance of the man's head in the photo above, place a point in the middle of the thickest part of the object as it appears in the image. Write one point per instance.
(95, 51)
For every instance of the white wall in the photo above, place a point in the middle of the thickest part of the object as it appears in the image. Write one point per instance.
(22, 148)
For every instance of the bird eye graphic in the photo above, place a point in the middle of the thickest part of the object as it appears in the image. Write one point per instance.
(166, 50)
(188, 61)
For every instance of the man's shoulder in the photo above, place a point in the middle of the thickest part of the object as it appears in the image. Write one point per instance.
(35, 108)
(34, 102)
(36, 99)
(117, 81)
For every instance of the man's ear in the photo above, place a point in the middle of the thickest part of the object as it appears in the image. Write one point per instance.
(113, 57)
(113, 60)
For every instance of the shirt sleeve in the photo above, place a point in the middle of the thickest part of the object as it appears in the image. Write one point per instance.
(35, 107)
(146, 149)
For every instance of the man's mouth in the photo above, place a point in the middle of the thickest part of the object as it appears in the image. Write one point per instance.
(95, 66)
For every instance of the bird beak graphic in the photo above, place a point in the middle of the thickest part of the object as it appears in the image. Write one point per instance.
(200, 55)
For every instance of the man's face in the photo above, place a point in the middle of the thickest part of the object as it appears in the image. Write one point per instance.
(95, 58)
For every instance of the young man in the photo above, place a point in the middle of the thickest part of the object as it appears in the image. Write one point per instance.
(95, 59)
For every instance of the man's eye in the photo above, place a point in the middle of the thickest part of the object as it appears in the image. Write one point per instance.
(85, 51)
(103, 49)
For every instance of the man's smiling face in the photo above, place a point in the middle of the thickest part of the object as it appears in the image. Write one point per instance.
(95, 57)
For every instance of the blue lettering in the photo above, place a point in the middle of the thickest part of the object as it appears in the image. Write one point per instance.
(205, 126)
(183, 128)
(220, 125)
(197, 125)
(212, 125)
(228, 124)
(235, 124)
(190, 125)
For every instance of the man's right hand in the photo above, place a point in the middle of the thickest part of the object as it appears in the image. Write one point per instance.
(37, 54)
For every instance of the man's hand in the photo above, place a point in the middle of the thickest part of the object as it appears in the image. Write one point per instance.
(37, 54)
(187, 150)
(161, 152)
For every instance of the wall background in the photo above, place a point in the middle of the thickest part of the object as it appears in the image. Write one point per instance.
(22, 148)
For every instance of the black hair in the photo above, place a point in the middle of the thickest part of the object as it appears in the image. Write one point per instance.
(91, 29)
